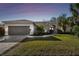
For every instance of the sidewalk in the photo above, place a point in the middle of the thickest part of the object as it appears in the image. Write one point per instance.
(38, 36)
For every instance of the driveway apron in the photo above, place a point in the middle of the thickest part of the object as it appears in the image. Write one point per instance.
(7, 42)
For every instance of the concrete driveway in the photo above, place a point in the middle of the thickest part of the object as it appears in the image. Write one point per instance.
(13, 38)
(7, 42)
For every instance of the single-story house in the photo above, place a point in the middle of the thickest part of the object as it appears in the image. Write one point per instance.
(18, 27)
(23, 27)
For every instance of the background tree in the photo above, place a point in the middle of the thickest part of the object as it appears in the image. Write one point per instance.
(74, 8)
(54, 21)
(63, 22)
(71, 23)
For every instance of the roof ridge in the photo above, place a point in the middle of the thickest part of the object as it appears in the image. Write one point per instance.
(18, 20)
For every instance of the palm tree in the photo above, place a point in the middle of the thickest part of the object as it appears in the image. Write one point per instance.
(63, 22)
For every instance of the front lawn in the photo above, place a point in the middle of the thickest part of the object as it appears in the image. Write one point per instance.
(60, 44)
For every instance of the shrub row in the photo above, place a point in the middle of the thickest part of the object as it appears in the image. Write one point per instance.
(2, 31)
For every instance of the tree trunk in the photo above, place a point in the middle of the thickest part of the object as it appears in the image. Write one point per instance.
(64, 28)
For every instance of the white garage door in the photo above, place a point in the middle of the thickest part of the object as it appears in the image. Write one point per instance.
(18, 30)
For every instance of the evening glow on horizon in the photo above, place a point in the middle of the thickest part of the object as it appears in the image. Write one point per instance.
(31, 11)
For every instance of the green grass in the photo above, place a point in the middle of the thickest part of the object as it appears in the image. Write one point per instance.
(60, 44)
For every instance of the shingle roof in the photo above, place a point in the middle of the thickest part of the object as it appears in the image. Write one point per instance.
(18, 22)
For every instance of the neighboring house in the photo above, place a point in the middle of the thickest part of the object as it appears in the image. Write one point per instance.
(47, 25)
(18, 27)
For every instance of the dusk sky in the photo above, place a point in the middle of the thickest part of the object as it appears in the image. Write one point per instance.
(35, 12)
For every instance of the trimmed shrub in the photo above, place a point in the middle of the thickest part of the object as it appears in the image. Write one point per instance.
(2, 31)
(76, 30)
(59, 31)
(39, 30)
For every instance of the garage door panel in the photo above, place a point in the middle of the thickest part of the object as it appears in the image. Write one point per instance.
(18, 30)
